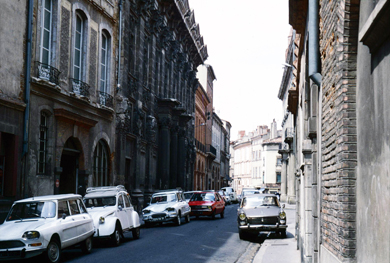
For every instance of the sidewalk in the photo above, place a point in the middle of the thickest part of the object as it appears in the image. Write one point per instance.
(281, 250)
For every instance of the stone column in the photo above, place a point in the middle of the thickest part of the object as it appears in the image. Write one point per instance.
(174, 157)
(164, 153)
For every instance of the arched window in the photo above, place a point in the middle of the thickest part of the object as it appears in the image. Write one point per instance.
(100, 165)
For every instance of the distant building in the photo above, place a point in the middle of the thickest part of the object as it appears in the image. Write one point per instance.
(256, 160)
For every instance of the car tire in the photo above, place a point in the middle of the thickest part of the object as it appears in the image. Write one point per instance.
(53, 251)
(283, 233)
(188, 218)
(86, 246)
(242, 234)
(136, 232)
(213, 215)
(178, 219)
(116, 236)
(223, 213)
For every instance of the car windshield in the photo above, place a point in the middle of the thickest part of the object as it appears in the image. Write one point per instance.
(250, 192)
(31, 210)
(203, 197)
(188, 195)
(163, 198)
(255, 201)
(100, 201)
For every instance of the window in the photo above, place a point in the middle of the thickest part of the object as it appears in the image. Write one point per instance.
(63, 208)
(78, 47)
(278, 178)
(100, 165)
(74, 208)
(42, 151)
(46, 34)
(104, 60)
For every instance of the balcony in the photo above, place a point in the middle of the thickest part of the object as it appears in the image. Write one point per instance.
(200, 146)
(211, 151)
(80, 88)
(47, 72)
(106, 99)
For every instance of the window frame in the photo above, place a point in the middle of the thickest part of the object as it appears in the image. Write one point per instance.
(43, 142)
(44, 10)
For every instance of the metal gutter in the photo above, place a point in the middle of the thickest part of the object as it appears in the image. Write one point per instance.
(314, 54)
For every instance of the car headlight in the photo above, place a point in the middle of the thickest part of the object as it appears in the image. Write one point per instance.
(145, 211)
(102, 220)
(242, 216)
(31, 235)
(170, 209)
(282, 215)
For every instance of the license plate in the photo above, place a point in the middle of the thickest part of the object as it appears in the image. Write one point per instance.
(159, 219)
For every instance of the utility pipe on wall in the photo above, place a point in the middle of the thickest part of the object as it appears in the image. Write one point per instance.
(314, 54)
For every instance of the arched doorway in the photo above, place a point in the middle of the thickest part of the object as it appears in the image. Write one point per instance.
(70, 159)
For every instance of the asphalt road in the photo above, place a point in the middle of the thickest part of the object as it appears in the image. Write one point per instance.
(200, 240)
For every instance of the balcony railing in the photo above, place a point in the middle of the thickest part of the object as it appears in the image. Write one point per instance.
(80, 88)
(289, 134)
(200, 146)
(106, 99)
(211, 149)
(47, 72)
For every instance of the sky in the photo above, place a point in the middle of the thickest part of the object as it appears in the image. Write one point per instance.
(246, 43)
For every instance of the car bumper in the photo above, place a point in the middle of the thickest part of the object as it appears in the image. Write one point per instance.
(156, 218)
(12, 254)
(256, 228)
(201, 213)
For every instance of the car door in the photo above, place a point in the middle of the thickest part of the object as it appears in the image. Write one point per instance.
(68, 231)
(129, 211)
(220, 203)
(85, 226)
(122, 212)
(184, 207)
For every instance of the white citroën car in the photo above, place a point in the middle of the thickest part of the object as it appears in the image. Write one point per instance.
(112, 212)
(165, 206)
(45, 224)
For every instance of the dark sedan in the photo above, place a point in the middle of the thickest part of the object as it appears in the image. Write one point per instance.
(261, 212)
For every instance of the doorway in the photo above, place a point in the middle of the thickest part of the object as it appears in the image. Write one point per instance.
(69, 178)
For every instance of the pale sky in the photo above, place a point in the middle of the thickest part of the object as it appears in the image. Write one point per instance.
(246, 43)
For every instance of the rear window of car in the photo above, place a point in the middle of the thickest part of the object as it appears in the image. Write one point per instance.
(203, 197)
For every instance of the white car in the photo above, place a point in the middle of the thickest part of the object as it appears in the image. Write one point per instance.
(45, 224)
(167, 206)
(230, 191)
(112, 212)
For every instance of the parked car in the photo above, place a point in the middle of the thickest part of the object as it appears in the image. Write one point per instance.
(188, 194)
(230, 191)
(225, 197)
(248, 192)
(166, 206)
(207, 203)
(112, 213)
(261, 212)
(45, 225)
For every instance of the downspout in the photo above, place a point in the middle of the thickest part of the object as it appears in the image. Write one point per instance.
(27, 96)
(314, 54)
(27, 77)
(315, 75)
(118, 86)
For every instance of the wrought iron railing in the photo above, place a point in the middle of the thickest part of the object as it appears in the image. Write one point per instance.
(106, 99)
(80, 88)
(211, 149)
(47, 72)
(200, 146)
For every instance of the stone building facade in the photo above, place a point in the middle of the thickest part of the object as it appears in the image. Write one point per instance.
(160, 52)
(339, 100)
(97, 92)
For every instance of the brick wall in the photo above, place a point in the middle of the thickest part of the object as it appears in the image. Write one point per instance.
(338, 48)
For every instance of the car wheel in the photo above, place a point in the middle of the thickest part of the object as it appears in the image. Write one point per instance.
(53, 251)
(188, 218)
(136, 233)
(213, 215)
(86, 246)
(116, 236)
(223, 213)
(242, 234)
(283, 233)
(178, 219)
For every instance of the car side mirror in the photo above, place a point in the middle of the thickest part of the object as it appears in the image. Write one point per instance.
(63, 216)
(120, 207)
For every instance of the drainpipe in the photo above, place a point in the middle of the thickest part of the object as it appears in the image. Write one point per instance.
(27, 77)
(120, 46)
(314, 54)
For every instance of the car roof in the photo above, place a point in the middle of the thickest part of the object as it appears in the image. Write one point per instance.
(257, 195)
(50, 198)
(167, 192)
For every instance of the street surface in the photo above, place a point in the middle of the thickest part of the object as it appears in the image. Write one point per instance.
(201, 240)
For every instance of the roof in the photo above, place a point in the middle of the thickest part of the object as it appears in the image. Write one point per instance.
(50, 197)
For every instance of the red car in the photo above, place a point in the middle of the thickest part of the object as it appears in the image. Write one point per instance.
(207, 203)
